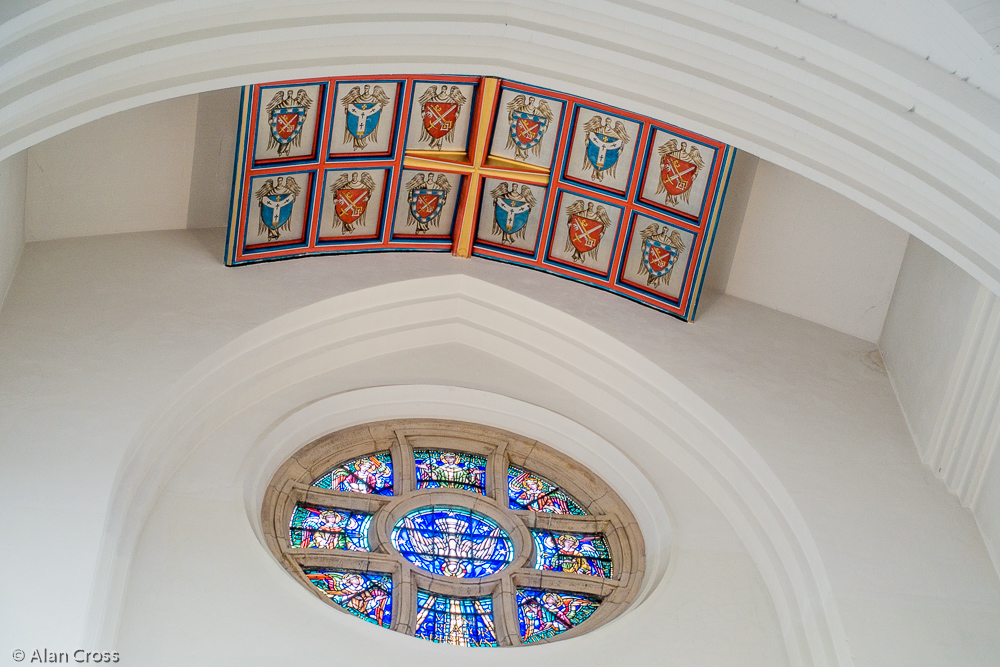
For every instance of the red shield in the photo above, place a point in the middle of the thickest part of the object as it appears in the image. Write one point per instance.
(526, 130)
(585, 233)
(659, 257)
(286, 124)
(677, 175)
(351, 204)
(439, 118)
(426, 205)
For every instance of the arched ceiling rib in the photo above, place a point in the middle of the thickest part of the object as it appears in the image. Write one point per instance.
(868, 120)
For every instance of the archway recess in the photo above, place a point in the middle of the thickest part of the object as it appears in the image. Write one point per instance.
(296, 377)
(892, 132)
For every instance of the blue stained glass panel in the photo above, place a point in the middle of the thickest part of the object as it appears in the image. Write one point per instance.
(365, 474)
(453, 541)
(325, 528)
(453, 470)
(528, 491)
(572, 552)
(460, 621)
(545, 614)
(366, 595)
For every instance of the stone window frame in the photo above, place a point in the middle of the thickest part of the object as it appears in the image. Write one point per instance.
(607, 514)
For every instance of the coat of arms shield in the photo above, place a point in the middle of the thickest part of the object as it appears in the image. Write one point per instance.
(439, 118)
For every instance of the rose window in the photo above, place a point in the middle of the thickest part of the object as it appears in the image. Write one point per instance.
(454, 533)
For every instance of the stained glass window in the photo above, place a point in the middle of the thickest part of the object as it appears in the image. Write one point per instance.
(545, 614)
(366, 474)
(429, 542)
(572, 552)
(453, 541)
(366, 595)
(460, 621)
(454, 470)
(528, 491)
(324, 528)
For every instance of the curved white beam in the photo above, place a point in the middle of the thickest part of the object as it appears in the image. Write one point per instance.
(280, 368)
(873, 122)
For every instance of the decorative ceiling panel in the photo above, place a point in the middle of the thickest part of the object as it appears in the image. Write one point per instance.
(479, 167)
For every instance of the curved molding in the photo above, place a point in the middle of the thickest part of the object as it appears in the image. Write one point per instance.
(871, 121)
(285, 366)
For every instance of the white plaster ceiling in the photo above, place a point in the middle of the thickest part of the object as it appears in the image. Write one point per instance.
(960, 36)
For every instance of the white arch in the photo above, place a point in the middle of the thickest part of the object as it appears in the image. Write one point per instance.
(881, 126)
(291, 362)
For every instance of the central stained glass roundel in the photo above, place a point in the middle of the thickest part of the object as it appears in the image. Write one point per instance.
(453, 541)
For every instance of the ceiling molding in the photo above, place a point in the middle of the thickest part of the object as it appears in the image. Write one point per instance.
(869, 120)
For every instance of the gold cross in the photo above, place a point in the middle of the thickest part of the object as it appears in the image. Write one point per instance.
(475, 165)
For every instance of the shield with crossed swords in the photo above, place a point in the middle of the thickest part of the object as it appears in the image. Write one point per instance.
(426, 196)
(528, 121)
(439, 118)
(527, 129)
(351, 196)
(660, 250)
(679, 166)
(586, 229)
(286, 116)
(439, 112)
(677, 175)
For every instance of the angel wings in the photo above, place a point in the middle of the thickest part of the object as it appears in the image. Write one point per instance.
(680, 165)
(286, 113)
(276, 199)
(285, 99)
(429, 182)
(452, 95)
(440, 110)
(370, 94)
(355, 181)
(528, 121)
(282, 187)
(505, 191)
(586, 229)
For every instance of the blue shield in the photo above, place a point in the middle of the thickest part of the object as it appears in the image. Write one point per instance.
(658, 257)
(287, 123)
(426, 204)
(362, 118)
(527, 129)
(511, 214)
(603, 151)
(275, 210)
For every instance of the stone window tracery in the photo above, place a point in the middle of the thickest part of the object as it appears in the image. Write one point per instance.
(454, 532)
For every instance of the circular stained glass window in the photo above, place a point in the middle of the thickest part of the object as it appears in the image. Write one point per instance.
(454, 533)
(453, 541)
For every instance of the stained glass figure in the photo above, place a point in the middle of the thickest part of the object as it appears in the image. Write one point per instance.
(453, 541)
(366, 595)
(453, 470)
(324, 528)
(571, 552)
(529, 491)
(366, 474)
(460, 621)
(545, 614)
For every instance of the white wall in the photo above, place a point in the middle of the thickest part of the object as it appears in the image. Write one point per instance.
(214, 155)
(810, 252)
(941, 345)
(923, 332)
(123, 173)
(12, 192)
(100, 342)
